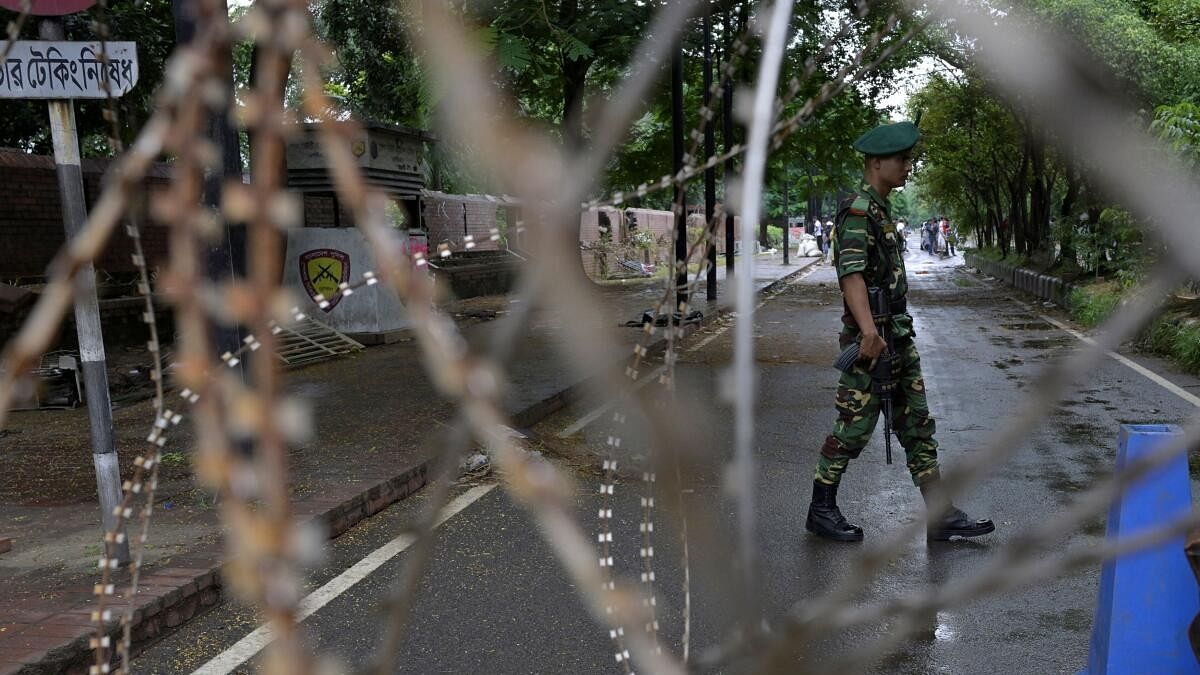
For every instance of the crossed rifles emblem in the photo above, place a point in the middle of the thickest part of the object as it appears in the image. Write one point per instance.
(322, 270)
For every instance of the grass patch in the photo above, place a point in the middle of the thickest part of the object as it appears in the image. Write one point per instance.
(963, 283)
(174, 459)
(1093, 303)
(1174, 335)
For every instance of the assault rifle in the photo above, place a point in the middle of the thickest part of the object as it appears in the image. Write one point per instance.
(883, 382)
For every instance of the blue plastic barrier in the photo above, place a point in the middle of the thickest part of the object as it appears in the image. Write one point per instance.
(1147, 599)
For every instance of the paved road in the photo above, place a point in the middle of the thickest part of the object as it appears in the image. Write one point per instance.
(496, 602)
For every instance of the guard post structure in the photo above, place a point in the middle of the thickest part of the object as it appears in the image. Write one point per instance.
(329, 251)
(1147, 599)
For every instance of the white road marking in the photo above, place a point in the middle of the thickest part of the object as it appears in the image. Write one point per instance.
(705, 342)
(245, 649)
(1136, 367)
(595, 414)
(1149, 374)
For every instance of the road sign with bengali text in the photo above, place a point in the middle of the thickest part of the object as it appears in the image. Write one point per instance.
(63, 70)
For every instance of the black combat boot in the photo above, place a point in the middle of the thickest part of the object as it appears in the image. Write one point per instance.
(825, 519)
(954, 523)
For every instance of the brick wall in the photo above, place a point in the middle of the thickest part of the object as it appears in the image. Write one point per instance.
(31, 228)
(443, 217)
(319, 211)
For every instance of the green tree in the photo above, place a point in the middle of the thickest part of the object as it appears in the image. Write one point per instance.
(988, 164)
(971, 156)
(376, 76)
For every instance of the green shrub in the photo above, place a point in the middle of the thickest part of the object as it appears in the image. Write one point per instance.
(1093, 303)
(774, 236)
(1177, 337)
(1186, 348)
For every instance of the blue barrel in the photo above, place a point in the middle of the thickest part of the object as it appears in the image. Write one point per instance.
(1147, 599)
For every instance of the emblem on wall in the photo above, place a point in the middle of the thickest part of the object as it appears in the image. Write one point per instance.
(322, 271)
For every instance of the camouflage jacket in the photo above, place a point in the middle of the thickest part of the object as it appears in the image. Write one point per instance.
(855, 251)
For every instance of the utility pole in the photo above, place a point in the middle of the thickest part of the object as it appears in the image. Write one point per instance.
(681, 243)
(787, 223)
(710, 149)
(727, 139)
(87, 309)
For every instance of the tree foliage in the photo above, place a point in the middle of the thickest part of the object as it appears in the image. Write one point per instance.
(988, 164)
(1179, 126)
(376, 76)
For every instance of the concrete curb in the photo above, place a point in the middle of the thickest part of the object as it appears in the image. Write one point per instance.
(1044, 286)
(45, 643)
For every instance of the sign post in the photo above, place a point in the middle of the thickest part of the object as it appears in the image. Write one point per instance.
(61, 71)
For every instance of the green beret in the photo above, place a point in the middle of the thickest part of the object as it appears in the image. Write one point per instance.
(888, 139)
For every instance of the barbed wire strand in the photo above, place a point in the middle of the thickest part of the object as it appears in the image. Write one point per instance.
(810, 615)
(1015, 565)
(742, 481)
(542, 496)
(480, 407)
(782, 128)
(147, 464)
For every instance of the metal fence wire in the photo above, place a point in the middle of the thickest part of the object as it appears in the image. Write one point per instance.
(267, 550)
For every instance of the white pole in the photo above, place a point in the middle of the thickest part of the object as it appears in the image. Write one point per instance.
(87, 309)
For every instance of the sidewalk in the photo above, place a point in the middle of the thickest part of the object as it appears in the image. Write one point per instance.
(377, 417)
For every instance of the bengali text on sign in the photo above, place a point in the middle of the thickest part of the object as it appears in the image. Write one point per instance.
(40, 69)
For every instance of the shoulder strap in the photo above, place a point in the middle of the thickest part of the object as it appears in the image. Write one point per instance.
(851, 207)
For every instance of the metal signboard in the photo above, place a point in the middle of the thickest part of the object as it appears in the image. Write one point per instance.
(48, 7)
(65, 70)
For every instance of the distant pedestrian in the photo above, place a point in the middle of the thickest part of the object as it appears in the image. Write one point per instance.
(818, 233)
(951, 237)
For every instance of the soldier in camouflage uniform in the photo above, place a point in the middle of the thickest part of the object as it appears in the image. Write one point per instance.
(866, 253)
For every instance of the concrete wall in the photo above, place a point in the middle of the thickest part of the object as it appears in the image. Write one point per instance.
(451, 218)
(371, 309)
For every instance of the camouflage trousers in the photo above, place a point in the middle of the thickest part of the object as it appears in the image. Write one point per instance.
(858, 413)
